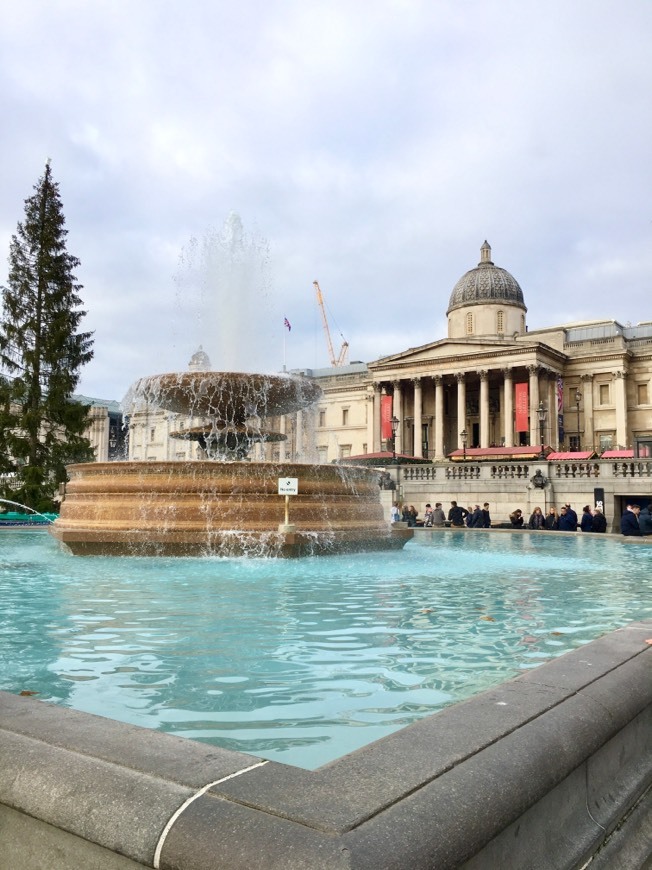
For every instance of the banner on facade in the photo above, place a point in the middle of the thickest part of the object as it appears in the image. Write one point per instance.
(521, 398)
(386, 417)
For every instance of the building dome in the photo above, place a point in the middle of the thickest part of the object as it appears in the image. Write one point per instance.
(486, 283)
(199, 361)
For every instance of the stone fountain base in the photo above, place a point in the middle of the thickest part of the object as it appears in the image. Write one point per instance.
(221, 508)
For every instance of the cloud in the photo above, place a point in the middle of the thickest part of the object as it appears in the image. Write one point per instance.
(370, 148)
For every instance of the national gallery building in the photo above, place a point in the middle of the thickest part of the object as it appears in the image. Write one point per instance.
(483, 386)
(488, 379)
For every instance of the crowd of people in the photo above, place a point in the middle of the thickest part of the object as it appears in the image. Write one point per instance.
(634, 521)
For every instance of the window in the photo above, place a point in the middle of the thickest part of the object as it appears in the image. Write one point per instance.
(469, 323)
(322, 455)
(345, 416)
(606, 442)
(152, 434)
(574, 442)
(322, 419)
(500, 322)
(642, 394)
(345, 450)
(604, 394)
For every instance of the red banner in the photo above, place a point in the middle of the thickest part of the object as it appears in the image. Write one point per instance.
(522, 409)
(386, 417)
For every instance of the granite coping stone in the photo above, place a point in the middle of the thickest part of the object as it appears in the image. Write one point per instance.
(120, 809)
(186, 762)
(430, 795)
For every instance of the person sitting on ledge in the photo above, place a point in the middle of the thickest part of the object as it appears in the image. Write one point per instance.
(516, 519)
(566, 521)
(645, 520)
(457, 514)
(629, 521)
(537, 520)
(438, 515)
(599, 521)
(586, 523)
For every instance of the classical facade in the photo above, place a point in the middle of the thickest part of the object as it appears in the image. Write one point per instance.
(593, 379)
(488, 378)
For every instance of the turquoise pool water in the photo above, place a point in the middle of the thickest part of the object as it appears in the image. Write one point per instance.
(304, 660)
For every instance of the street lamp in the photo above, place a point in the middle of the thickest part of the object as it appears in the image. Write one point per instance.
(578, 397)
(463, 436)
(542, 413)
(395, 422)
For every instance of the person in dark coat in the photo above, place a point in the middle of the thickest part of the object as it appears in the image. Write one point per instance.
(537, 520)
(552, 520)
(457, 514)
(475, 521)
(586, 523)
(516, 519)
(629, 521)
(599, 521)
(566, 521)
(486, 516)
(645, 520)
(571, 513)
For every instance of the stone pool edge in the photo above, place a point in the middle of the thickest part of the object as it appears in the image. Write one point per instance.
(546, 764)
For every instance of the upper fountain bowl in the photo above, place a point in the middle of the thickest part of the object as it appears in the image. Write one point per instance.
(231, 397)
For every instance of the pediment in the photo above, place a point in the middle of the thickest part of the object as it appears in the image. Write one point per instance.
(449, 349)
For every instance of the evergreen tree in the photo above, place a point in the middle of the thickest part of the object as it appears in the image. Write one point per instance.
(41, 352)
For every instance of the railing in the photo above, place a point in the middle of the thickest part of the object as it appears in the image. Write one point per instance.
(509, 471)
(521, 471)
(574, 469)
(632, 469)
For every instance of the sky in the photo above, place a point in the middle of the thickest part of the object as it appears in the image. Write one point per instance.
(214, 159)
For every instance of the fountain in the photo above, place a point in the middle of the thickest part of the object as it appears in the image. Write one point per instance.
(223, 504)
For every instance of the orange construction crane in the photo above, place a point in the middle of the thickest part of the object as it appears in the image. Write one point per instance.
(341, 358)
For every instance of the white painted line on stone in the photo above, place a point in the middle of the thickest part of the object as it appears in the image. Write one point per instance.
(184, 806)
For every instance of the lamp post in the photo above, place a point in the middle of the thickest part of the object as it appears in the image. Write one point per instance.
(395, 423)
(542, 413)
(578, 397)
(463, 436)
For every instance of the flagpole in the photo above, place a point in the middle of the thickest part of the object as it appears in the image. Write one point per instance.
(284, 359)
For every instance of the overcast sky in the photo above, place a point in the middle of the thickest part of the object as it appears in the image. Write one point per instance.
(372, 145)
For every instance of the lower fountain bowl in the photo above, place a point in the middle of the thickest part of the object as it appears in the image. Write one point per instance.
(222, 508)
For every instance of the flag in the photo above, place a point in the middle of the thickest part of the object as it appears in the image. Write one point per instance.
(286, 323)
(560, 395)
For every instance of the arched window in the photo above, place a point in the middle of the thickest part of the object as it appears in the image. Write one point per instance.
(522, 323)
(469, 323)
(500, 322)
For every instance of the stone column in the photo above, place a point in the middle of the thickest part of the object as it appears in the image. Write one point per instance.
(461, 407)
(620, 387)
(439, 417)
(552, 428)
(375, 441)
(587, 397)
(484, 408)
(398, 412)
(418, 441)
(508, 412)
(533, 372)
